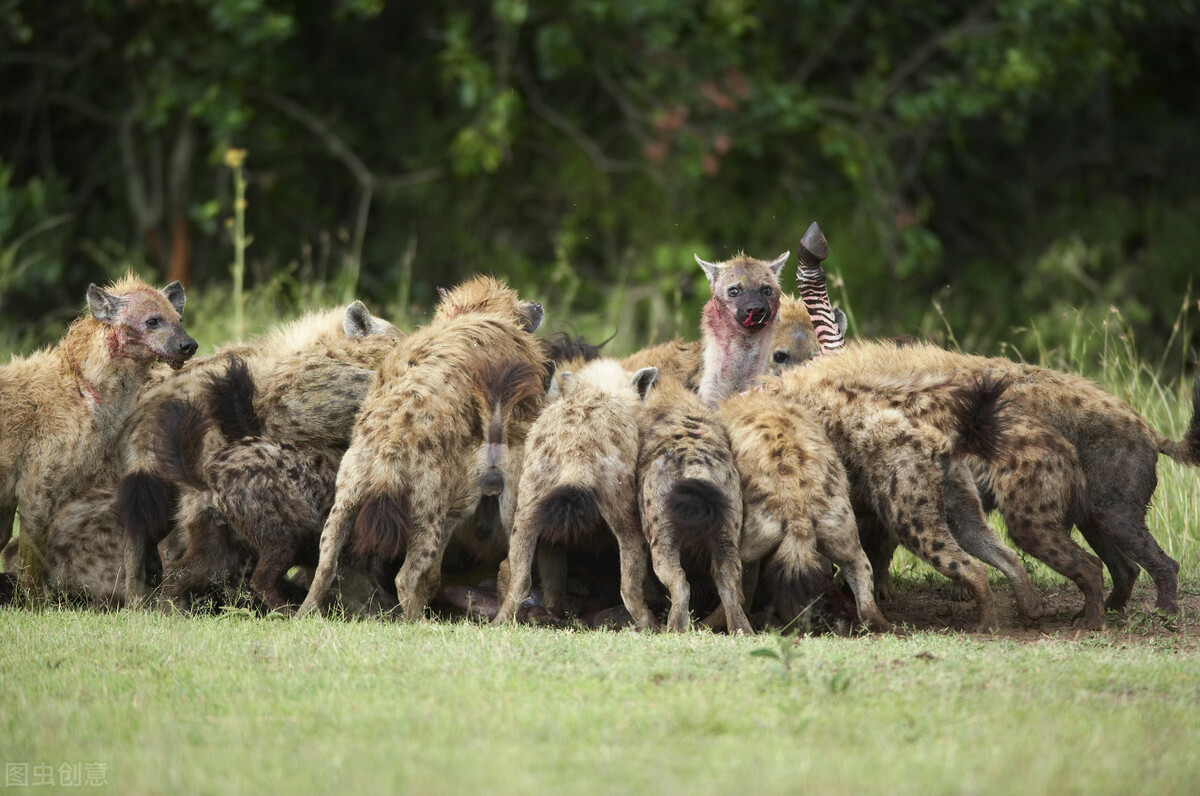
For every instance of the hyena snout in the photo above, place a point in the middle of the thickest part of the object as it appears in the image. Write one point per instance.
(179, 349)
(753, 313)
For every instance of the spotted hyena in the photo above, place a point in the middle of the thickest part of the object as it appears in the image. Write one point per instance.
(312, 373)
(892, 436)
(410, 476)
(580, 475)
(691, 498)
(1080, 456)
(85, 552)
(61, 409)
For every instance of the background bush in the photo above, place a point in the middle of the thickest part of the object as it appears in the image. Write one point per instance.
(1009, 169)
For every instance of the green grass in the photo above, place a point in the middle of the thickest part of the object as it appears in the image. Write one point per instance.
(236, 705)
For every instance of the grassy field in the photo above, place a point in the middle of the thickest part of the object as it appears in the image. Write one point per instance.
(230, 704)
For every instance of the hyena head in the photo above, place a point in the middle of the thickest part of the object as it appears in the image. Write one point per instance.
(745, 291)
(489, 296)
(144, 323)
(794, 340)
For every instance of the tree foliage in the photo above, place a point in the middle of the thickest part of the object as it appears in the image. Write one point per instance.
(1003, 162)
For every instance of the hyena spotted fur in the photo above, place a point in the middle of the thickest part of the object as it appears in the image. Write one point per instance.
(1081, 456)
(85, 552)
(312, 373)
(273, 494)
(892, 436)
(691, 498)
(579, 475)
(411, 475)
(61, 409)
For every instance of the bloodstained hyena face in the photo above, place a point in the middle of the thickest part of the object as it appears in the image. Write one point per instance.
(747, 288)
(145, 323)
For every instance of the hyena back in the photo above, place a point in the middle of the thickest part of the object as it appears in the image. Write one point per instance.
(61, 409)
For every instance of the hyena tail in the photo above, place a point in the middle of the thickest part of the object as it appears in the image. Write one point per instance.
(981, 420)
(1186, 450)
(231, 401)
(145, 503)
(507, 384)
(179, 444)
(383, 527)
(796, 579)
(568, 515)
(698, 509)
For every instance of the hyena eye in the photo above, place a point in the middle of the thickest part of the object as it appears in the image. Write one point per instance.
(780, 356)
(153, 322)
(734, 292)
(767, 290)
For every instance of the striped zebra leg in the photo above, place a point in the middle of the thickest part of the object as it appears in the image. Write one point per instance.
(810, 278)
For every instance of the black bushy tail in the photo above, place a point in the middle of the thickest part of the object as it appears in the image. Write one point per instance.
(383, 527)
(697, 508)
(796, 580)
(1187, 450)
(981, 421)
(231, 401)
(145, 503)
(179, 443)
(568, 515)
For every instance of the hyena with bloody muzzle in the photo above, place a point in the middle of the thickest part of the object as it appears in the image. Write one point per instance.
(410, 478)
(61, 409)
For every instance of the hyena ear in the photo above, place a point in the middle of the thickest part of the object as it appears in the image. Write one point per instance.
(643, 380)
(103, 305)
(711, 270)
(174, 294)
(778, 263)
(531, 316)
(839, 318)
(358, 322)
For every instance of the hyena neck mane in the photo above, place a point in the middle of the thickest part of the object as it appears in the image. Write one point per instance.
(94, 360)
(732, 357)
(737, 323)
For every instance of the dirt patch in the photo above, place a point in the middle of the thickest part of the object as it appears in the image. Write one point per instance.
(931, 608)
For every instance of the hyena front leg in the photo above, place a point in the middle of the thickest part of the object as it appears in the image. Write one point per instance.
(552, 575)
(339, 527)
(909, 501)
(837, 539)
(965, 515)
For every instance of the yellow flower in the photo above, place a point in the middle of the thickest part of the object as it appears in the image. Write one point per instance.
(234, 158)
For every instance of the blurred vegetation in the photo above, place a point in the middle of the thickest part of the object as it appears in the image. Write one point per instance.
(1009, 169)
